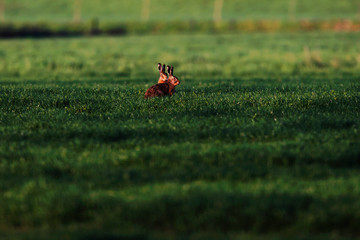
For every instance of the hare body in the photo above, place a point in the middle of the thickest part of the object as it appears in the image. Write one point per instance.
(160, 90)
(165, 88)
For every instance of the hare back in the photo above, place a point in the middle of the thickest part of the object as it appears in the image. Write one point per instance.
(158, 90)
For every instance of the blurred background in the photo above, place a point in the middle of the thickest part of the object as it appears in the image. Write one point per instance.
(162, 10)
(211, 37)
(98, 13)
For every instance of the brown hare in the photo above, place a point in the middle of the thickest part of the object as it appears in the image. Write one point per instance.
(164, 89)
(163, 76)
(172, 78)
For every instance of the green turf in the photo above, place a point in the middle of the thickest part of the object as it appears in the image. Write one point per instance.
(114, 10)
(194, 56)
(260, 141)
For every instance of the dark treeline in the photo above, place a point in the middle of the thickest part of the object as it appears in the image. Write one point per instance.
(93, 27)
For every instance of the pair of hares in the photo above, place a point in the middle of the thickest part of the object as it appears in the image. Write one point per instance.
(166, 84)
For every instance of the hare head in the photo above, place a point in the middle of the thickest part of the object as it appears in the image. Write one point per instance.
(172, 79)
(163, 76)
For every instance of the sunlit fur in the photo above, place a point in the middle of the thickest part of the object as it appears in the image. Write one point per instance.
(163, 76)
(174, 80)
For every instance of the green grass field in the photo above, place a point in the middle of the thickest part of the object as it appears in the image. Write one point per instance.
(261, 140)
(162, 10)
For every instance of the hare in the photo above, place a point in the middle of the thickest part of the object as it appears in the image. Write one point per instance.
(166, 88)
(172, 78)
(163, 76)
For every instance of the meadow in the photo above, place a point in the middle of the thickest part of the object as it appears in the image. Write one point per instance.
(65, 18)
(162, 10)
(260, 141)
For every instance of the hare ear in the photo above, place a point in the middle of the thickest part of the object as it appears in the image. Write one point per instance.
(159, 67)
(163, 68)
(168, 69)
(172, 70)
